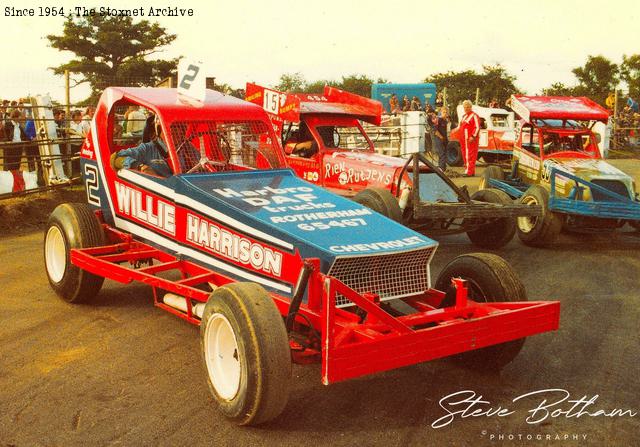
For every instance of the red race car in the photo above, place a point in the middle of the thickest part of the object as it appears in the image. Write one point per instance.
(198, 204)
(326, 145)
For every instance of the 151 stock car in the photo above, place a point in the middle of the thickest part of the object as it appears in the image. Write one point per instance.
(325, 144)
(557, 164)
(272, 268)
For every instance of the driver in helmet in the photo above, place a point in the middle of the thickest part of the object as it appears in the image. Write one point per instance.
(150, 157)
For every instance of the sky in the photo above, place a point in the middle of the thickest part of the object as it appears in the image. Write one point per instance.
(538, 41)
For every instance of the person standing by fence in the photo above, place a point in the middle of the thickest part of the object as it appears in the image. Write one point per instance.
(441, 138)
(14, 133)
(469, 129)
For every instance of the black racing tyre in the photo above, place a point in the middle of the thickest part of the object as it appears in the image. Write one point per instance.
(490, 172)
(489, 279)
(245, 352)
(498, 232)
(454, 154)
(538, 231)
(71, 225)
(381, 201)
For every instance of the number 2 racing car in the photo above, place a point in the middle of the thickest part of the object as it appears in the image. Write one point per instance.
(557, 164)
(325, 144)
(273, 269)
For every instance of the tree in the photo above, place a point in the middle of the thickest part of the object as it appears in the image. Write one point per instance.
(358, 84)
(113, 51)
(630, 73)
(291, 83)
(497, 83)
(317, 87)
(493, 82)
(558, 89)
(597, 78)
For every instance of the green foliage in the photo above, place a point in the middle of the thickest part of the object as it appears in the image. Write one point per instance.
(355, 83)
(596, 78)
(358, 84)
(113, 51)
(493, 82)
(291, 83)
(318, 86)
(558, 89)
(630, 73)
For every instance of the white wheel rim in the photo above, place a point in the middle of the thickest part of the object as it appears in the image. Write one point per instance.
(222, 357)
(527, 224)
(55, 254)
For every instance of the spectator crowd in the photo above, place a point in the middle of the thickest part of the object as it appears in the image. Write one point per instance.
(18, 137)
(628, 124)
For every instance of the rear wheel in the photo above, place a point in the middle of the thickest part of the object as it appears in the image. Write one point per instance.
(498, 232)
(71, 225)
(489, 279)
(538, 231)
(381, 201)
(490, 172)
(246, 354)
(454, 154)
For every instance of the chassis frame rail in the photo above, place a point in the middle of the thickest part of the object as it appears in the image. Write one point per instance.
(348, 344)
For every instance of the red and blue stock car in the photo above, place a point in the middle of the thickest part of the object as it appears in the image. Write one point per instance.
(272, 268)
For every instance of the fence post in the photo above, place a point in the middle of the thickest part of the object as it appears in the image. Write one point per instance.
(477, 95)
(444, 97)
(67, 92)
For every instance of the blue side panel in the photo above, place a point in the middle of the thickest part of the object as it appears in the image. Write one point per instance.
(511, 190)
(317, 222)
(93, 185)
(425, 92)
(616, 207)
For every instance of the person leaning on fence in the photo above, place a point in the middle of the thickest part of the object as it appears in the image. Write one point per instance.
(14, 133)
(406, 104)
(33, 150)
(394, 105)
(76, 134)
(416, 105)
(87, 117)
(469, 130)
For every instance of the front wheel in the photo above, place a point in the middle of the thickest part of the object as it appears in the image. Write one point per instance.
(71, 225)
(498, 232)
(246, 354)
(538, 231)
(489, 279)
(381, 201)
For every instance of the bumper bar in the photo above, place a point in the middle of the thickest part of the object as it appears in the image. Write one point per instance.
(384, 342)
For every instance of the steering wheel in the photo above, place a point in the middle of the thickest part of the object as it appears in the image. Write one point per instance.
(205, 164)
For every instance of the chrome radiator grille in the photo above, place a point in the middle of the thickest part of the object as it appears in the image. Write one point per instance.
(389, 276)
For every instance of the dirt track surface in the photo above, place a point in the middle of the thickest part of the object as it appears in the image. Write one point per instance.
(121, 372)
